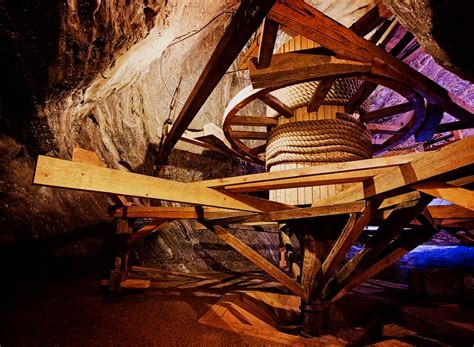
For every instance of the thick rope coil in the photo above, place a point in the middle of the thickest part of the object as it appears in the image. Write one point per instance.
(326, 140)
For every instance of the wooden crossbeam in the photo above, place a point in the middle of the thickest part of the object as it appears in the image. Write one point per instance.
(323, 88)
(456, 195)
(269, 35)
(298, 213)
(384, 129)
(66, 174)
(303, 19)
(146, 230)
(455, 156)
(295, 67)
(197, 212)
(250, 135)
(333, 168)
(450, 211)
(277, 105)
(254, 121)
(244, 23)
(452, 126)
(258, 260)
(434, 115)
(386, 112)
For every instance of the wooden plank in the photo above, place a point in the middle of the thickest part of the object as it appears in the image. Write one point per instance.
(332, 168)
(456, 195)
(146, 230)
(452, 126)
(80, 155)
(324, 86)
(308, 181)
(250, 135)
(298, 213)
(258, 260)
(176, 212)
(244, 23)
(297, 67)
(66, 174)
(254, 121)
(267, 44)
(277, 105)
(169, 273)
(434, 115)
(450, 211)
(431, 165)
(386, 112)
(384, 129)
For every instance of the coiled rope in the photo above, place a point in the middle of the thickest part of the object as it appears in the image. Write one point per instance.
(326, 140)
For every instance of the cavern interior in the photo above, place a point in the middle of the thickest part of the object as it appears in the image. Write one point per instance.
(254, 172)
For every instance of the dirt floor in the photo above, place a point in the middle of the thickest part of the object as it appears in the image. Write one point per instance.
(76, 313)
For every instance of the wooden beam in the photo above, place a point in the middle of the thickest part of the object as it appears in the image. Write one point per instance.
(450, 211)
(296, 67)
(84, 156)
(269, 35)
(277, 105)
(386, 112)
(332, 168)
(254, 121)
(434, 115)
(298, 213)
(323, 88)
(146, 230)
(169, 273)
(177, 212)
(371, 20)
(258, 260)
(244, 23)
(250, 135)
(387, 129)
(431, 165)
(360, 95)
(66, 174)
(456, 195)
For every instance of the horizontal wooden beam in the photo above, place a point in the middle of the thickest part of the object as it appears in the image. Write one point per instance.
(258, 260)
(387, 129)
(450, 212)
(254, 121)
(296, 67)
(452, 126)
(277, 105)
(66, 174)
(386, 112)
(197, 212)
(333, 168)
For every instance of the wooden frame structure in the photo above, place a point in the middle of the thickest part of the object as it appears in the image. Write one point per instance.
(391, 193)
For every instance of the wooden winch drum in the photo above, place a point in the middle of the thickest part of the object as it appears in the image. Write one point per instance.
(314, 138)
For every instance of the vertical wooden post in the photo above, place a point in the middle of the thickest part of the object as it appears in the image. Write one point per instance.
(120, 271)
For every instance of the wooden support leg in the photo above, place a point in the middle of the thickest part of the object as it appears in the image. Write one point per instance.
(120, 271)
